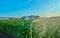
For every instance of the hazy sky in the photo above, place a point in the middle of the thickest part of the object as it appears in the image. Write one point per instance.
(16, 8)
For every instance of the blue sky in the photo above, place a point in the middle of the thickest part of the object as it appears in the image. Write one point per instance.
(17, 8)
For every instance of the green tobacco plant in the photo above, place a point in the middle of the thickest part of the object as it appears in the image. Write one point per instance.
(19, 28)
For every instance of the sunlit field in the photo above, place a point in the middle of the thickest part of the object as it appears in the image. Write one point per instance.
(42, 28)
(46, 28)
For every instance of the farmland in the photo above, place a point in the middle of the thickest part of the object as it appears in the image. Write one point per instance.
(18, 28)
(47, 28)
(42, 28)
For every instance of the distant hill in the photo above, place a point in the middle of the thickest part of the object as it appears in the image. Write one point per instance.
(32, 17)
(55, 18)
(7, 18)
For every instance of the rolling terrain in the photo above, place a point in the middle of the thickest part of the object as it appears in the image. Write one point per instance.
(38, 28)
(47, 28)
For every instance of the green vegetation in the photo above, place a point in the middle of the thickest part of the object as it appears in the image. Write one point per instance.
(40, 28)
(20, 28)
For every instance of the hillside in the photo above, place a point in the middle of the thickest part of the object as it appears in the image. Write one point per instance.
(38, 28)
(47, 27)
